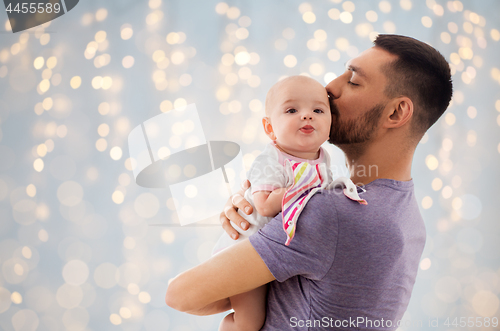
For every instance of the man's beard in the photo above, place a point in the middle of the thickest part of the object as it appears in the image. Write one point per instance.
(354, 131)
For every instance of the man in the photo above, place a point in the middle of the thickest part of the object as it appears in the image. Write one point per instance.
(349, 266)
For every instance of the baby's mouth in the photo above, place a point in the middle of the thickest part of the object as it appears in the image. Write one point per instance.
(307, 129)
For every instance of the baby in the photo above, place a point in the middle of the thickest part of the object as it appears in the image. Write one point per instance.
(284, 176)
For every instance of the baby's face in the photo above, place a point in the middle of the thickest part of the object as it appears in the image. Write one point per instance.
(300, 115)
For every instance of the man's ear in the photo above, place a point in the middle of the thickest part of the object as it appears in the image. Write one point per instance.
(268, 128)
(402, 112)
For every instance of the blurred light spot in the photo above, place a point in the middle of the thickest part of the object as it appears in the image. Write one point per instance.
(133, 289)
(75, 82)
(101, 144)
(125, 312)
(426, 21)
(453, 27)
(221, 8)
(425, 264)
(389, 27)
(41, 150)
(16, 298)
(177, 57)
(472, 112)
(100, 36)
(70, 193)
(69, 296)
(101, 14)
(342, 44)
(447, 192)
(495, 34)
(437, 183)
(471, 138)
(316, 69)
(309, 17)
(334, 55)
(320, 35)
(129, 243)
(470, 207)
(450, 118)
(75, 272)
(334, 14)
(44, 39)
(485, 303)
(346, 17)
(242, 58)
(384, 6)
(146, 205)
(405, 4)
(166, 105)
(128, 61)
(31, 190)
(163, 152)
(288, 33)
(38, 63)
(371, 16)
(447, 144)
(190, 191)
(427, 202)
(103, 130)
(38, 165)
(144, 297)
(167, 236)
(173, 38)
(126, 31)
(313, 44)
(115, 319)
(43, 235)
(222, 93)
(432, 162)
(290, 61)
(117, 197)
(116, 153)
(233, 13)
(329, 76)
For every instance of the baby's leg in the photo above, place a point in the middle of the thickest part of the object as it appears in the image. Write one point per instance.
(249, 311)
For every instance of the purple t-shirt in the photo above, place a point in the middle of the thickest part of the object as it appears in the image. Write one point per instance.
(349, 266)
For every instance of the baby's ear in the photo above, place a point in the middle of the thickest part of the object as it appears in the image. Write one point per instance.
(268, 128)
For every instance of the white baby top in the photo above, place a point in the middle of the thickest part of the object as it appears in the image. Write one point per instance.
(268, 173)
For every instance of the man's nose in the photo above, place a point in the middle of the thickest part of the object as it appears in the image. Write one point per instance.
(334, 89)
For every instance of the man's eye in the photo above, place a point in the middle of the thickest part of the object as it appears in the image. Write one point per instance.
(291, 110)
(351, 83)
(319, 111)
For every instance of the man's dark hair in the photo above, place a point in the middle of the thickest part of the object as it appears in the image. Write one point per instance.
(422, 74)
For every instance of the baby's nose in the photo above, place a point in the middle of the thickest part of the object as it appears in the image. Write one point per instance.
(305, 117)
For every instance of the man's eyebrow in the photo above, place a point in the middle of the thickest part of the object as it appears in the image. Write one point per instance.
(356, 69)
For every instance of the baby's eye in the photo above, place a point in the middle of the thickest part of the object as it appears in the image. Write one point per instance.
(319, 111)
(291, 110)
(351, 83)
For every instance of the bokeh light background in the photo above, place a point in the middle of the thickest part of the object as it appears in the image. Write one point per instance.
(82, 247)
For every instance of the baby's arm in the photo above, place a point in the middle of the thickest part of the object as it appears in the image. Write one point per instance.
(268, 203)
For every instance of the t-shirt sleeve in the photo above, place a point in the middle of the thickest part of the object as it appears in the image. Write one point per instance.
(266, 173)
(311, 251)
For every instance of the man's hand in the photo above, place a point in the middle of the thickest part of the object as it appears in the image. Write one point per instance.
(230, 213)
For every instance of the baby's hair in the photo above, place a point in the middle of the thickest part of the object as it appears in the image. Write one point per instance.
(271, 94)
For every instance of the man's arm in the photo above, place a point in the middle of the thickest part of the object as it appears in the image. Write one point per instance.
(235, 270)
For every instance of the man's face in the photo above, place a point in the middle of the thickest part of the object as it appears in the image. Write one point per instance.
(357, 98)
